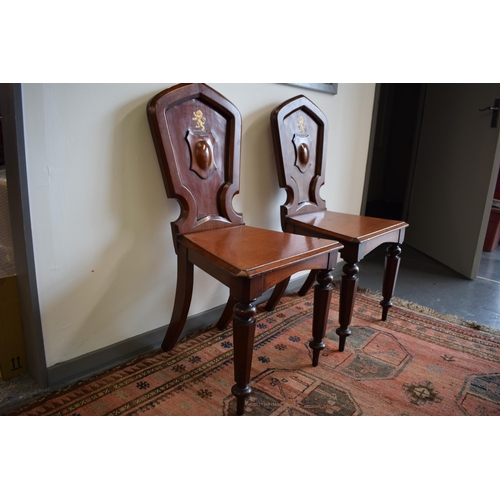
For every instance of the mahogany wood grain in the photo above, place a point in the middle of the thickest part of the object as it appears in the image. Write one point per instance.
(392, 261)
(183, 295)
(322, 298)
(197, 136)
(300, 131)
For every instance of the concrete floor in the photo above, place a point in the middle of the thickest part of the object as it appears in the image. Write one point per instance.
(421, 280)
(428, 283)
(17, 392)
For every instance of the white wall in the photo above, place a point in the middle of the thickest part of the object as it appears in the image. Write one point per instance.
(105, 264)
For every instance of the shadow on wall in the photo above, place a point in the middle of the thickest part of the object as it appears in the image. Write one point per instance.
(259, 181)
(127, 287)
(118, 291)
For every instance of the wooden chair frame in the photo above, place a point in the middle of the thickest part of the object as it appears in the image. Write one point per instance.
(197, 136)
(300, 131)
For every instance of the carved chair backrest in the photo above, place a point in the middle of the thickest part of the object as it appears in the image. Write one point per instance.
(197, 136)
(300, 131)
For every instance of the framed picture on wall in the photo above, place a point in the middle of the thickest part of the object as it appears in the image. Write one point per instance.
(329, 88)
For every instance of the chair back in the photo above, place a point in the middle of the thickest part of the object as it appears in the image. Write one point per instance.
(300, 131)
(197, 136)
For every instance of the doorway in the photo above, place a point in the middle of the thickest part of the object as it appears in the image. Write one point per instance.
(394, 149)
(433, 161)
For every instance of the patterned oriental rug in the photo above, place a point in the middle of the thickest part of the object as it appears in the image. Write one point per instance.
(412, 364)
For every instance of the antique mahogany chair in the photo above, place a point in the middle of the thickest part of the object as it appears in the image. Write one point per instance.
(300, 132)
(197, 135)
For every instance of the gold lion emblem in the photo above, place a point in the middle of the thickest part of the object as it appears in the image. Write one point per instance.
(302, 125)
(200, 120)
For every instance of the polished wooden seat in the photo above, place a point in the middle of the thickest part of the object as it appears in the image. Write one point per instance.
(300, 131)
(197, 135)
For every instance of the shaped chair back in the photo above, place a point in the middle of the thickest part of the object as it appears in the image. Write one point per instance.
(197, 135)
(300, 131)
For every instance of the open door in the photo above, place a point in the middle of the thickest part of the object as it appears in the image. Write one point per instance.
(456, 170)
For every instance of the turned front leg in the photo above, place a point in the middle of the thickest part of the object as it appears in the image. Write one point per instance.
(392, 261)
(348, 288)
(243, 338)
(322, 298)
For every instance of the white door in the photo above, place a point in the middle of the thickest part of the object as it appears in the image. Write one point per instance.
(455, 175)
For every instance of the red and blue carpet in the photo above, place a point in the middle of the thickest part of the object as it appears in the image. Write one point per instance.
(412, 364)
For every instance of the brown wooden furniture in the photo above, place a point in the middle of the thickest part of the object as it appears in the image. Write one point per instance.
(300, 132)
(197, 135)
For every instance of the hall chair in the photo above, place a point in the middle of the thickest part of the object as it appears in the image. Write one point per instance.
(300, 132)
(197, 136)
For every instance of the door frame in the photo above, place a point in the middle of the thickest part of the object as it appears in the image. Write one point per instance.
(18, 197)
(371, 145)
(373, 131)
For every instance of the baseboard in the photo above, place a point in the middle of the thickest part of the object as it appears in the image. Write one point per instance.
(99, 361)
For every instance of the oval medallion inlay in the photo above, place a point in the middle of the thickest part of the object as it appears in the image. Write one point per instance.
(303, 154)
(203, 154)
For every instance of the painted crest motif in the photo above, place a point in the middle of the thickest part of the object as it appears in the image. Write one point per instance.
(200, 120)
(302, 146)
(301, 123)
(201, 146)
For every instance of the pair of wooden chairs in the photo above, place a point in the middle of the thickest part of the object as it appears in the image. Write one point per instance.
(197, 135)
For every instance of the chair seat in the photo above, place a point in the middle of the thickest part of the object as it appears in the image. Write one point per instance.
(346, 227)
(358, 233)
(300, 136)
(245, 251)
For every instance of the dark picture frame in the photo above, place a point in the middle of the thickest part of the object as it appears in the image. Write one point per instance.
(329, 88)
